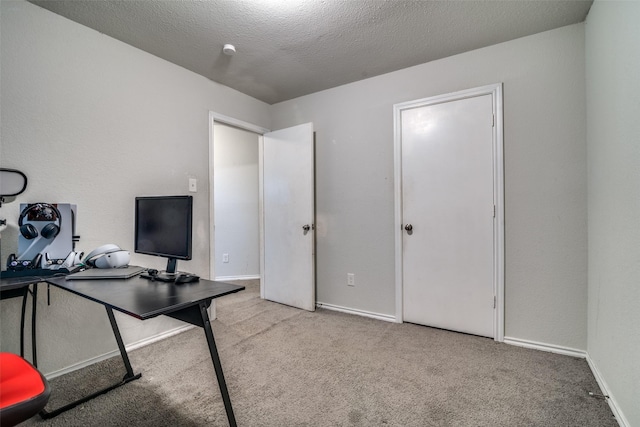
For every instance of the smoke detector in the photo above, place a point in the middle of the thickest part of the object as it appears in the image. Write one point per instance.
(229, 49)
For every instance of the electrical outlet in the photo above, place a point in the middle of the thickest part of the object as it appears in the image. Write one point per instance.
(225, 257)
(351, 279)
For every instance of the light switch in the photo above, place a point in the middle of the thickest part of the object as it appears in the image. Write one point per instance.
(193, 185)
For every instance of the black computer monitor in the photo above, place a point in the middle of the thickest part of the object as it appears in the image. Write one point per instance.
(163, 227)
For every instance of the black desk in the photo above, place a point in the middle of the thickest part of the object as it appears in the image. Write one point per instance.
(17, 283)
(11, 287)
(144, 299)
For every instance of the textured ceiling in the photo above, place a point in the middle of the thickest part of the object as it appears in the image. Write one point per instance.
(290, 48)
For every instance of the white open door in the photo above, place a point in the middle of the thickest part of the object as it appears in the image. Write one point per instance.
(288, 217)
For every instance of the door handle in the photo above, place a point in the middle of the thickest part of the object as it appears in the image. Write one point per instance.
(409, 228)
(306, 228)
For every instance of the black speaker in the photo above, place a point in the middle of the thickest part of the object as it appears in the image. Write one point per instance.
(40, 212)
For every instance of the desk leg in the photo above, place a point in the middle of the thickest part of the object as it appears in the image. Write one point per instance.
(129, 376)
(34, 305)
(208, 331)
(22, 316)
(123, 350)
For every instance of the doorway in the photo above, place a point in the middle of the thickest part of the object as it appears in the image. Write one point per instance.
(236, 210)
(449, 211)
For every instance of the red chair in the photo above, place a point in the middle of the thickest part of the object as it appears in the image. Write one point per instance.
(24, 391)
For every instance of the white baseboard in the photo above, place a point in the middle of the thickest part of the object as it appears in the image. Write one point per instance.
(385, 317)
(605, 390)
(246, 277)
(157, 337)
(130, 347)
(567, 351)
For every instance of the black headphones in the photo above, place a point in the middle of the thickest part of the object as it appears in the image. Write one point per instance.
(42, 212)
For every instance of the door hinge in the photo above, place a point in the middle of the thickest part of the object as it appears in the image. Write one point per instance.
(494, 301)
(493, 120)
(494, 211)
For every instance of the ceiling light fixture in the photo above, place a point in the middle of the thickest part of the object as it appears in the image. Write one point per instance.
(229, 49)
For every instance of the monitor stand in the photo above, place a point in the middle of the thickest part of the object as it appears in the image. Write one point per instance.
(169, 275)
(172, 265)
(163, 276)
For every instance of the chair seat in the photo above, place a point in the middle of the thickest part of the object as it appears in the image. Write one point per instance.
(23, 390)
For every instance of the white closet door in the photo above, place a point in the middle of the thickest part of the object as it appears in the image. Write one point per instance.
(448, 215)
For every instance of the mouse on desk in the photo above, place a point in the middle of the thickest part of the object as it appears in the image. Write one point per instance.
(186, 278)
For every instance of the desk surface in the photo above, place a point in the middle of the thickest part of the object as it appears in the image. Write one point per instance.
(8, 283)
(143, 298)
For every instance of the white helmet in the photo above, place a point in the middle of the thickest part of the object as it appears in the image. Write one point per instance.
(108, 256)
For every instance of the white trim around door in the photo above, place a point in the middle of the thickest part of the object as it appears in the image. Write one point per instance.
(495, 90)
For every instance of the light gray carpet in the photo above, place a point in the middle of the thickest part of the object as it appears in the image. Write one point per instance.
(287, 367)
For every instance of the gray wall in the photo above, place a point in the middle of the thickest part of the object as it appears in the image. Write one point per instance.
(545, 180)
(613, 134)
(95, 122)
(236, 202)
